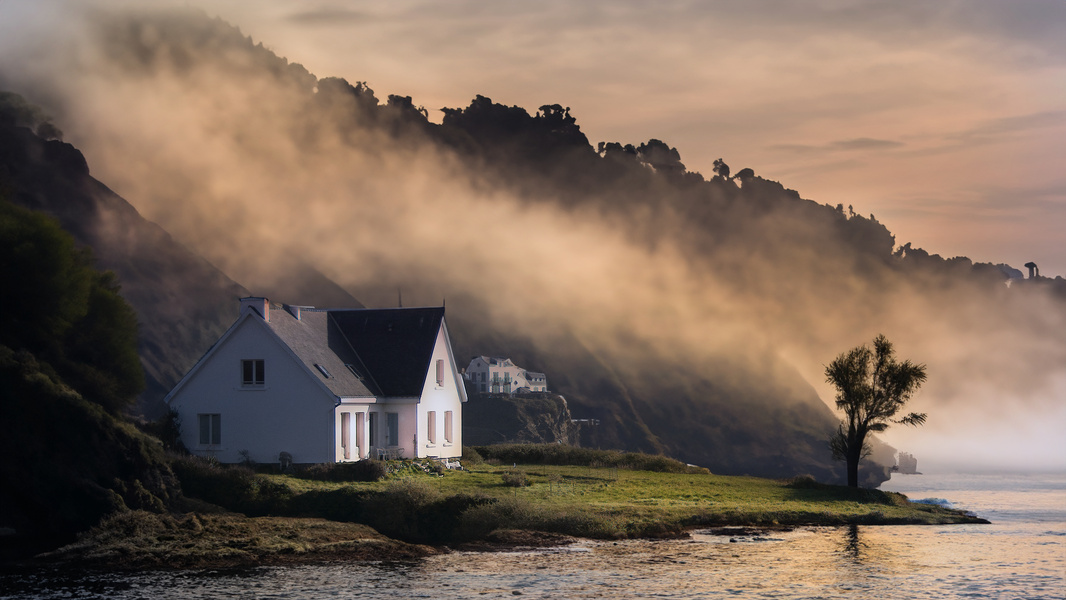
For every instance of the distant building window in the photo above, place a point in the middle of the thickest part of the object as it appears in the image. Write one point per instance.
(210, 429)
(447, 427)
(431, 427)
(440, 371)
(253, 372)
(323, 370)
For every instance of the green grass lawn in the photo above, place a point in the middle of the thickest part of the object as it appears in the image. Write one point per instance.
(616, 502)
(280, 518)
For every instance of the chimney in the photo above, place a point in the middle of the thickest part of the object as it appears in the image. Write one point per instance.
(260, 305)
(295, 310)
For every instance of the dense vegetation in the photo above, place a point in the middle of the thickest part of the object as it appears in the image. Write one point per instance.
(68, 368)
(59, 308)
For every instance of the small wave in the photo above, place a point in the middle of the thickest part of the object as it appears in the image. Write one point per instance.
(935, 501)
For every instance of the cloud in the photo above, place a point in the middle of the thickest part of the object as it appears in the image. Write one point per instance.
(328, 16)
(237, 168)
(991, 130)
(852, 145)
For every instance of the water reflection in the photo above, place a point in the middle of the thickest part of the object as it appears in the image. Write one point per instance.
(847, 562)
(853, 546)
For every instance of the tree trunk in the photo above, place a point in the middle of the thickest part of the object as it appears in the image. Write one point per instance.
(853, 466)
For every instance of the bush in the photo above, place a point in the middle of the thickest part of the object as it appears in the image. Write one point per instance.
(559, 454)
(517, 513)
(803, 482)
(363, 470)
(167, 429)
(471, 456)
(515, 478)
(413, 510)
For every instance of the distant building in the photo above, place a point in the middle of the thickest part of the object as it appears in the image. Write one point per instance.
(906, 464)
(494, 375)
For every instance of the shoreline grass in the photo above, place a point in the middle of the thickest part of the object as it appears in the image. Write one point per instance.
(415, 511)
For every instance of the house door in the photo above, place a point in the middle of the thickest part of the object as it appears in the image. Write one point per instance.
(392, 436)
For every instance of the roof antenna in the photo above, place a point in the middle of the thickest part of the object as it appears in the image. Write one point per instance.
(399, 297)
(443, 301)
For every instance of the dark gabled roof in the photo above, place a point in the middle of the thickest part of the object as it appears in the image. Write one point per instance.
(395, 345)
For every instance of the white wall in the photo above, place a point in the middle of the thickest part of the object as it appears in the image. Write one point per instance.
(441, 398)
(290, 413)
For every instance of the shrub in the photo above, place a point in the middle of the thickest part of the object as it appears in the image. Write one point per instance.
(559, 454)
(471, 456)
(515, 478)
(803, 482)
(363, 470)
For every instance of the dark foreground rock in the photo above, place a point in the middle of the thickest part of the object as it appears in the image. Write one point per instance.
(139, 540)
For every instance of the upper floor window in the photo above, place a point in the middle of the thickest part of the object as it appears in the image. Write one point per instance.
(440, 371)
(253, 372)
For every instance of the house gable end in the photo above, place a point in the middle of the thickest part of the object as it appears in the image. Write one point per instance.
(250, 318)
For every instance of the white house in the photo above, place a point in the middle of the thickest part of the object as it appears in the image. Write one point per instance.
(324, 385)
(493, 375)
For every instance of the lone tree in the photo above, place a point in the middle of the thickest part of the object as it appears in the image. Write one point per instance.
(871, 388)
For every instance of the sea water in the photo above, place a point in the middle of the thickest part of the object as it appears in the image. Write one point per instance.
(1022, 554)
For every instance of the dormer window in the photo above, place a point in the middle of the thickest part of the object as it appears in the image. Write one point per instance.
(253, 372)
(323, 370)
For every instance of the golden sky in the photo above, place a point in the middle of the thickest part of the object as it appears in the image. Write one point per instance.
(946, 120)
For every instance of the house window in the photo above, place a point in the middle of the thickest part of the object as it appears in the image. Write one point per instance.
(431, 426)
(447, 427)
(323, 370)
(346, 435)
(440, 371)
(253, 372)
(210, 430)
(392, 429)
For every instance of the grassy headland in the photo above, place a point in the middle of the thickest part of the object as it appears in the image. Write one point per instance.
(243, 517)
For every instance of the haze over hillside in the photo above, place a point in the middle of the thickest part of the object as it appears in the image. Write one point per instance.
(703, 306)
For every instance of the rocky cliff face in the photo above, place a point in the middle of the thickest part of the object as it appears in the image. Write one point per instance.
(532, 418)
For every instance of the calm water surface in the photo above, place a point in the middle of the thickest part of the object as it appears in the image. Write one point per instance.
(1021, 555)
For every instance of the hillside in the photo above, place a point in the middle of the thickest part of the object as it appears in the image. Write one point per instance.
(68, 369)
(689, 313)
